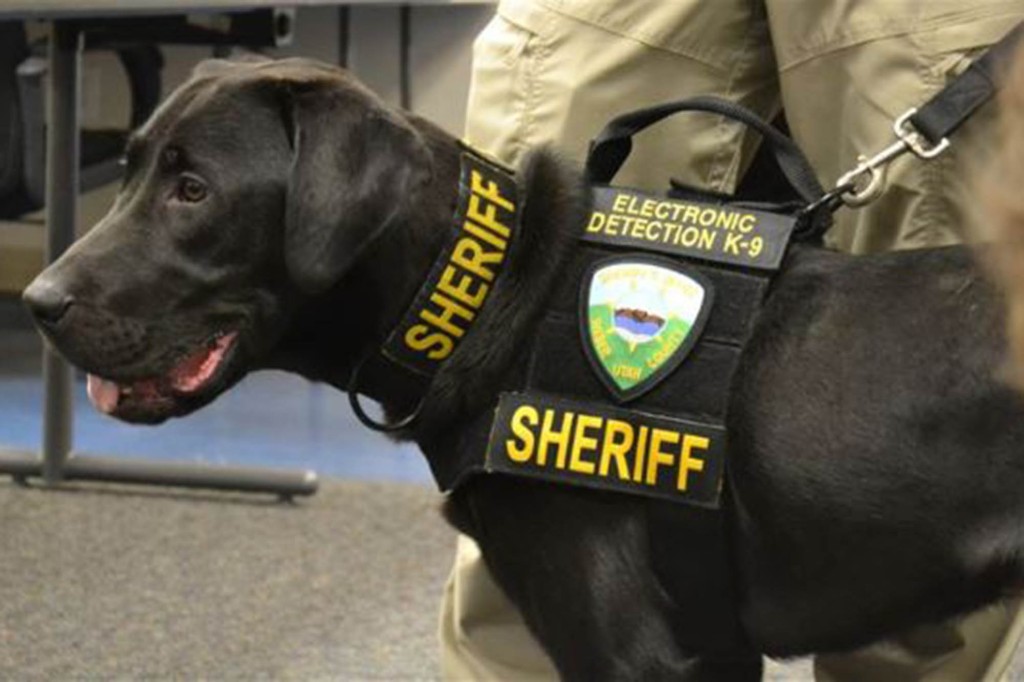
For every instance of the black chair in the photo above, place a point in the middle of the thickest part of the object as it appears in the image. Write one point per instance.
(23, 119)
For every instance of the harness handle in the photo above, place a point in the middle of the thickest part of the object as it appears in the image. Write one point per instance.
(610, 149)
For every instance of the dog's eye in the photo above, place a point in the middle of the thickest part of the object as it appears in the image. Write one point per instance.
(191, 190)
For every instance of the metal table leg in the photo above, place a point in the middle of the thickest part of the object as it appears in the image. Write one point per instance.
(57, 463)
(62, 163)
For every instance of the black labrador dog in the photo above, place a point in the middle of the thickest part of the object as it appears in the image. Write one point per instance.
(279, 215)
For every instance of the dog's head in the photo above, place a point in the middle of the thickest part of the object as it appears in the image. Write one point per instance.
(254, 187)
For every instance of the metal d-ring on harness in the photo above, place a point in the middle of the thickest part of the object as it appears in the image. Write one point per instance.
(925, 131)
(364, 418)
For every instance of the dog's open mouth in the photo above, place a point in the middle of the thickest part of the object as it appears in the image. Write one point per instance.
(188, 377)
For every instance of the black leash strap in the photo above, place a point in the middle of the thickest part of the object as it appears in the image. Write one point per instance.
(950, 108)
(925, 131)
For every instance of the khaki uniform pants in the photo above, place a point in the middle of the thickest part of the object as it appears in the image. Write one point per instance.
(554, 71)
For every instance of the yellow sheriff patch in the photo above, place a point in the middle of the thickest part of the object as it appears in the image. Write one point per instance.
(463, 277)
(593, 445)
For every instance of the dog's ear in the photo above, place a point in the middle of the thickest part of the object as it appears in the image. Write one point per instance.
(356, 168)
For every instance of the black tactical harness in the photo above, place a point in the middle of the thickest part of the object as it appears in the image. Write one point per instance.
(597, 437)
(562, 415)
(728, 248)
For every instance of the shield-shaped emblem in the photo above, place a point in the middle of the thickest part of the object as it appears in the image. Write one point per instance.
(640, 317)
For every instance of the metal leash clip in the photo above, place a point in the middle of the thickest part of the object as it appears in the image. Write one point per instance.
(867, 180)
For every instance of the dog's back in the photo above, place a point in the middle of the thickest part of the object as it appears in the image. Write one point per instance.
(875, 455)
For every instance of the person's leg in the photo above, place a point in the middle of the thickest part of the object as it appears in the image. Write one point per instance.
(976, 649)
(846, 71)
(483, 637)
(554, 72)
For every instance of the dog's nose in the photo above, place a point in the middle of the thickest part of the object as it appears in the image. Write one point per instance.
(47, 301)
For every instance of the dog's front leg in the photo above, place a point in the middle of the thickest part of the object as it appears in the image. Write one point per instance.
(577, 564)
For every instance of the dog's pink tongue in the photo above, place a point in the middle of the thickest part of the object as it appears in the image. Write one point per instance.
(102, 393)
(191, 373)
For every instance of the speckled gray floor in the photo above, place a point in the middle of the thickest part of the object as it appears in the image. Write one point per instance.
(118, 583)
(115, 583)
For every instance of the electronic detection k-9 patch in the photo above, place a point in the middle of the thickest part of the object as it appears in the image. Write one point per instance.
(594, 445)
(707, 231)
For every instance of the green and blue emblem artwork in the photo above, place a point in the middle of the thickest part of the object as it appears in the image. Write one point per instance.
(640, 316)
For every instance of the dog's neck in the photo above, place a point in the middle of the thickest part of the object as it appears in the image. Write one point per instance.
(351, 321)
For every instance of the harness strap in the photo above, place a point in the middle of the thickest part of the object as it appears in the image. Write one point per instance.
(944, 113)
(611, 147)
(447, 304)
